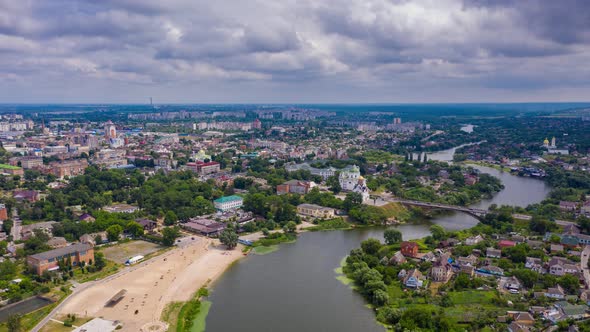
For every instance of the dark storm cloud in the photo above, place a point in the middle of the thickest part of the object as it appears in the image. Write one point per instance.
(289, 46)
(564, 21)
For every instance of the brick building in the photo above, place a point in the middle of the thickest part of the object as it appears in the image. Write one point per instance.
(68, 168)
(295, 187)
(3, 212)
(49, 260)
(203, 168)
(409, 249)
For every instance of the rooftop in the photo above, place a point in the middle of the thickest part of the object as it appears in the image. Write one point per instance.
(226, 199)
(62, 251)
(6, 166)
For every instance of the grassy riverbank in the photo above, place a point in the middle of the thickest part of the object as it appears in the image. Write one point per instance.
(188, 316)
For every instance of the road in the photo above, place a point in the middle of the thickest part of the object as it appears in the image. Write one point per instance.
(16, 226)
(584, 263)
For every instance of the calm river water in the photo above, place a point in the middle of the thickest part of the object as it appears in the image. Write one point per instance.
(295, 289)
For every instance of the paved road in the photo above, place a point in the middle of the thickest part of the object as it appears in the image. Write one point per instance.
(584, 263)
(16, 226)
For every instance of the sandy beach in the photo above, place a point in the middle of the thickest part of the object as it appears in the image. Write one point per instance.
(173, 276)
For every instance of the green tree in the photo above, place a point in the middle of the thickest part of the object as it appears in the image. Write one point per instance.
(438, 233)
(170, 218)
(352, 200)
(541, 225)
(99, 261)
(134, 229)
(371, 246)
(14, 323)
(114, 232)
(334, 184)
(229, 238)
(392, 236)
(527, 277)
(570, 283)
(290, 227)
(389, 315)
(380, 297)
(169, 235)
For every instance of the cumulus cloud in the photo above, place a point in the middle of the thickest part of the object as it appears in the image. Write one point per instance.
(309, 50)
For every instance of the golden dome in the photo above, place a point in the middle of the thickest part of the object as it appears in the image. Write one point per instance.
(546, 141)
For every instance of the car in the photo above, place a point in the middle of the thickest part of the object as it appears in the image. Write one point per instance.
(513, 291)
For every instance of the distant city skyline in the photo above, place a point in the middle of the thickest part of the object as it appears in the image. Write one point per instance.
(304, 51)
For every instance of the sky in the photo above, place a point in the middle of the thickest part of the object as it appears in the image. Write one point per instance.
(294, 51)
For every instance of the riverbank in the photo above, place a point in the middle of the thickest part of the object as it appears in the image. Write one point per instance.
(172, 277)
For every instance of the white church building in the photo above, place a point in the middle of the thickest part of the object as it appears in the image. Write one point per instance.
(351, 180)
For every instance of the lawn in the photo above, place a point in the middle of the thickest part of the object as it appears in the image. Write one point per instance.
(110, 268)
(472, 297)
(121, 252)
(53, 326)
(397, 211)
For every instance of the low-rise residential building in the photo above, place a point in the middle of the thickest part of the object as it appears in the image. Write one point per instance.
(512, 283)
(11, 170)
(555, 293)
(49, 260)
(295, 187)
(26, 195)
(470, 260)
(227, 203)
(205, 227)
(493, 253)
(315, 211)
(57, 242)
(555, 248)
(413, 279)
(94, 238)
(68, 168)
(86, 218)
(3, 212)
(397, 258)
(441, 269)
(568, 206)
(471, 241)
(535, 264)
(204, 168)
(27, 231)
(506, 244)
(147, 224)
(409, 249)
(120, 208)
(27, 162)
(325, 173)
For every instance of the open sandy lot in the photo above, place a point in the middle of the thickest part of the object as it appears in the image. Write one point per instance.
(173, 276)
(120, 253)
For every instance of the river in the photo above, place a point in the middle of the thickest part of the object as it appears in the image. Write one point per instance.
(295, 289)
